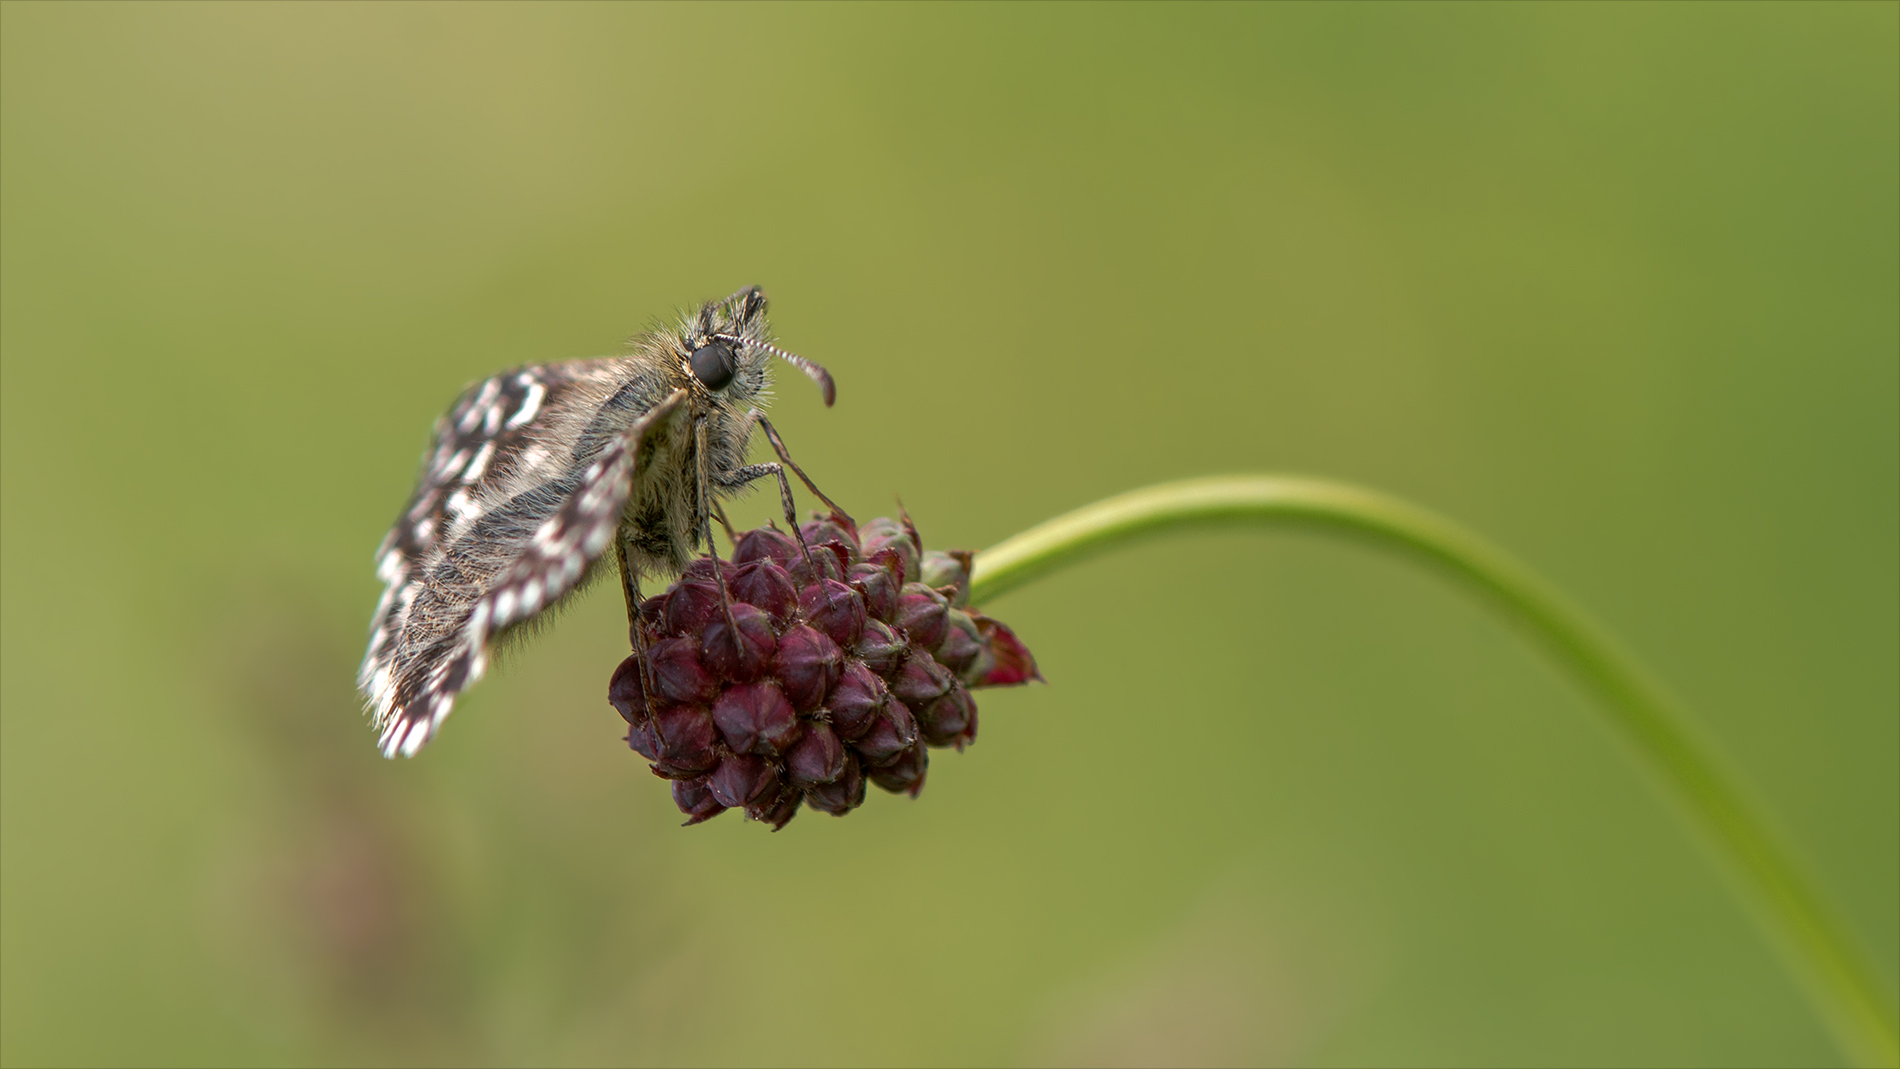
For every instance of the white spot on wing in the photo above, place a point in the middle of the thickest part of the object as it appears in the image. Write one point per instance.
(479, 407)
(597, 540)
(464, 506)
(529, 405)
(418, 734)
(480, 464)
(379, 684)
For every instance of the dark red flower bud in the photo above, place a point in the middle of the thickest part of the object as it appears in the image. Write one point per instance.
(652, 615)
(922, 613)
(892, 732)
(625, 691)
(807, 666)
(765, 543)
(835, 609)
(702, 568)
(950, 720)
(857, 698)
(884, 534)
(962, 644)
(828, 561)
(741, 778)
(756, 718)
(777, 811)
(695, 799)
(686, 741)
(1007, 661)
(691, 606)
(677, 673)
(817, 757)
(878, 581)
(881, 648)
(831, 530)
(921, 680)
(950, 569)
(765, 584)
(740, 656)
(842, 794)
(906, 773)
(641, 738)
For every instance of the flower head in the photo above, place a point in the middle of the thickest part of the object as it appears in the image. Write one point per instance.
(807, 666)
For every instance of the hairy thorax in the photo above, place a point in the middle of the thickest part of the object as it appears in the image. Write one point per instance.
(660, 535)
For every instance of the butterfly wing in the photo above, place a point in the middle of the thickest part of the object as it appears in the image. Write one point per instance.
(516, 500)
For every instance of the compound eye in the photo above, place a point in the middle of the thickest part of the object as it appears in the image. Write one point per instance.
(713, 365)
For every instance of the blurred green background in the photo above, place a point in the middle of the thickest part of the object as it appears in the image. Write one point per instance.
(1615, 285)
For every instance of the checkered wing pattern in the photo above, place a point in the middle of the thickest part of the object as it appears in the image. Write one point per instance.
(521, 492)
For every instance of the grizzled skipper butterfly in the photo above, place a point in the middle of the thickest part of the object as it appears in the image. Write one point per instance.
(535, 473)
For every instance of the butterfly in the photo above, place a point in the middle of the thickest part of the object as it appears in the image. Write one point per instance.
(533, 475)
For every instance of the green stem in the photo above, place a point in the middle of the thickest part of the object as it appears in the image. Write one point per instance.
(1841, 983)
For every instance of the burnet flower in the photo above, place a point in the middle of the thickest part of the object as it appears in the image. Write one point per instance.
(823, 668)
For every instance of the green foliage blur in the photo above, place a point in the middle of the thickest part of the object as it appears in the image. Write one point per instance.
(1614, 285)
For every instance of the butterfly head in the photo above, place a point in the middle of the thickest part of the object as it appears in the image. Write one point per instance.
(727, 345)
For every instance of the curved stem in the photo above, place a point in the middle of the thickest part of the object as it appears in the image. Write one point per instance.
(1840, 982)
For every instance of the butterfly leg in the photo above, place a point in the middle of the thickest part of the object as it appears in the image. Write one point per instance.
(636, 636)
(630, 448)
(629, 589)
(750, 472)
(629, 577)
(704, 519)
(778, 446)
(719, 514)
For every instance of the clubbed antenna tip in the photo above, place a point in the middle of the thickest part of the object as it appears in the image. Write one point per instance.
(815, 371)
